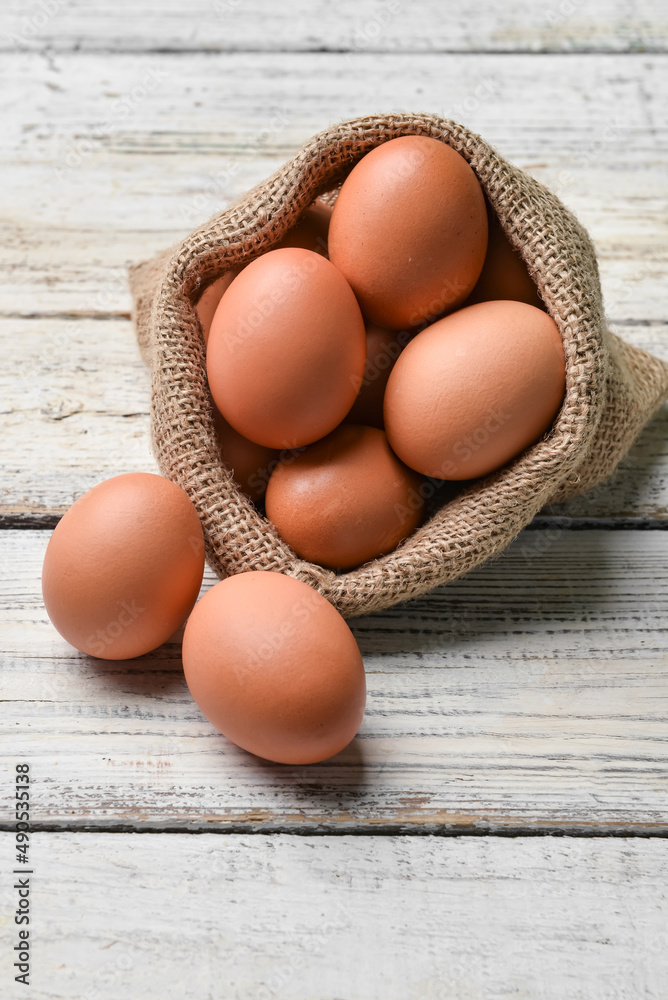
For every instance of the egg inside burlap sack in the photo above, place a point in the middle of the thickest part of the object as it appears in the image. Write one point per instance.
(612, 388)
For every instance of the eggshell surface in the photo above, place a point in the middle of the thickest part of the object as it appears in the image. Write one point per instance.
(504, 274)
(250, 463)
(211, 296)
(383, 347)
(475, 389)
(344, 500)
(124, 566)
(287, 349)
(310, 232)
(275, 668)
(409, 231)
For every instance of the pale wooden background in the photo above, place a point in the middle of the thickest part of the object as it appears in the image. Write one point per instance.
(498, 829)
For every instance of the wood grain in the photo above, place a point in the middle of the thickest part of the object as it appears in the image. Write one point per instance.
(76, 397)
(409, 918)
(111, 160)
(530, 696)
(321, 26)
(66, 243)
(107, 183)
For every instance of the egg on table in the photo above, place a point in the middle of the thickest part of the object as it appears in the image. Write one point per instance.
(275, 668)
(124, 566)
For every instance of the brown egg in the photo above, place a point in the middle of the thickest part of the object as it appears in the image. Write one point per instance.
(383, 347)
(504, 273)
(475, 389)
(287, 349)
(251, 464)
(344, 500)
(409, 231)
(124, 566)
(310, 232)
(211, 296)
(275, 668)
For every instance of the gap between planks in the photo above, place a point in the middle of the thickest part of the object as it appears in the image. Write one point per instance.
(364, 26)
(47, 520)
(515, 698)
(660, 832)
(214, 50)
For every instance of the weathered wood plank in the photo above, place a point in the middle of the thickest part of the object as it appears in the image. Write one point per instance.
(167, 163)
(360, 25)
(75, 398)
(374, 918)
(102, 173)
(72, 260)
(75, 411)
(531, 695)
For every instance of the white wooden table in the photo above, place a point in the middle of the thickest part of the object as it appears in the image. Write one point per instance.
(498, 829)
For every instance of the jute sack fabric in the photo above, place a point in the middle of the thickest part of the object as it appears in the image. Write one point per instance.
(612, 388)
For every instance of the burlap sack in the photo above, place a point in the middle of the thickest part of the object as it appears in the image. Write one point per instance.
(612, 388)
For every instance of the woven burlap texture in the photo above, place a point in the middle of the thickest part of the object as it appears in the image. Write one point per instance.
(611, 388)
